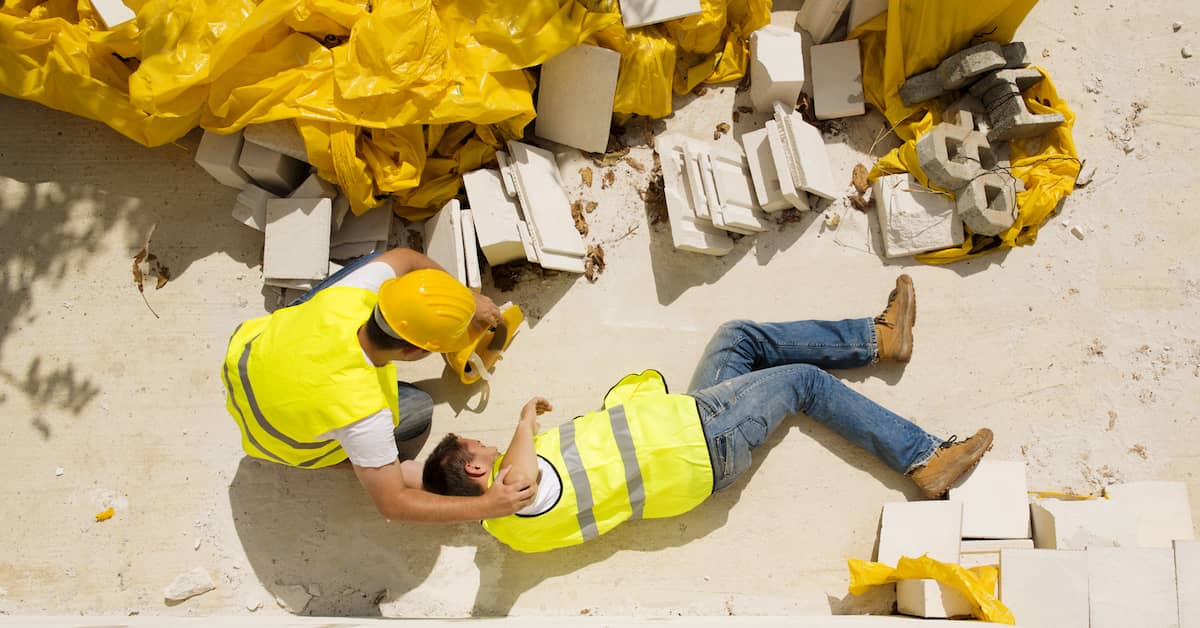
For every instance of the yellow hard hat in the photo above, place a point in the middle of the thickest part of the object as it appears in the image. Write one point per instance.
(427, 308)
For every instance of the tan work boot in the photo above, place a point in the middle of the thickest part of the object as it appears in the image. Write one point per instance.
(893, 328)
(949, 462)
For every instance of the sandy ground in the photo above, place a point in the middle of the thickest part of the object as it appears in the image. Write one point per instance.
(1082, 355)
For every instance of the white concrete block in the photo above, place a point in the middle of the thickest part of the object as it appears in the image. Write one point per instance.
(635, 13)
(575, 97)
(930, 598)
(1080, 524)
(1132, 587)
(443, 240)
(991, 546)
(979, 559)
(786, 168)
(1045, 588)
(301, 285)
(113, 13)
(271, 170)
(776, 67)
(250, 208)
(807, 154)
(507, 176)
(542, 197)
(914, 219)
(351, 250)
(702, 204)
(218, 155)
(819, 17)
(735, 193)
(995, 500)
(297, 238)
(372, 226)
(470, 251)
(862, 11)
(531, 253)
(767, 192)
(281, 136)
(837, 80)
(1187, 582)
(558, 261)
(496, 217)
(687, 231)
(915, 528)
(1164, 513)
(315, 187)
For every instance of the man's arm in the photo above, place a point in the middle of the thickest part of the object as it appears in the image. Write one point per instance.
(521, 458)
(407, 260)
(395, 500)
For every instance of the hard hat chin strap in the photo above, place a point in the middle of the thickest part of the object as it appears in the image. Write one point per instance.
(383, 324)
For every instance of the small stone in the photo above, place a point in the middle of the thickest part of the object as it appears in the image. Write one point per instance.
(190, 584)
(58, 472)
(1092, 86)
(313, 589)
(1086, 174)
(252, 603)
(1176, 26)
(1186, 51)
(832, 221)
(1077, 232)
(196, 545)
(292, 598)
(1061, 39)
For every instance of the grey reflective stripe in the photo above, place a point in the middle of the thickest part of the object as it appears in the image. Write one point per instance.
(244, 373)
(309, 463)
(579, 478)
(242, 416)
(633, 473)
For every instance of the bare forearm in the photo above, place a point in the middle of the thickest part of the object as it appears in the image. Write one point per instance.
(521, 455)
(421, 507)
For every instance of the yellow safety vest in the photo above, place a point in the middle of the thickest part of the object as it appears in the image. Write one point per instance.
(643, 457)
(299, 372)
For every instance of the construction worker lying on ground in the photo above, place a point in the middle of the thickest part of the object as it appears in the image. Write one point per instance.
(313, 384)
(651, 454)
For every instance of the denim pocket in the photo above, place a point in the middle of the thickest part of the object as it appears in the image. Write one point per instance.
(720, 454)
(754, 430)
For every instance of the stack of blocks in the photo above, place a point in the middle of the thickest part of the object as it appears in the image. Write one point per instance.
(778, 61)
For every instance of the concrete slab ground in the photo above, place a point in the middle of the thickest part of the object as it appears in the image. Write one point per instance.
(1082, 355)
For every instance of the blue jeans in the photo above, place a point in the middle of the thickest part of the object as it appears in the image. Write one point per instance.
(754, 375)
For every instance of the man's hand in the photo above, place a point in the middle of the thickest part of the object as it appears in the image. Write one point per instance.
(535, 407)
(505, 499)
(487, 315)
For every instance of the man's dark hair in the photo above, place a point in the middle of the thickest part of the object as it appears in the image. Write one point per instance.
(381, 339)
(445, 472)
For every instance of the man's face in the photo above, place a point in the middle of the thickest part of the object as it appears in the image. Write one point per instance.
(481, 454)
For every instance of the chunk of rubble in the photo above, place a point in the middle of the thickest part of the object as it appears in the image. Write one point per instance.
(188, 585)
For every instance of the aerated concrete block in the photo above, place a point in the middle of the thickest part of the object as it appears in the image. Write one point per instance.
(1080, 524)
(819, 17)
(995, 500)
(979, 559)
(1015, 55)
(113, 13)
(960, 68)
(806, 155)
(837, 80)
(1187, 582)
(542, 197)
(775, 74)
(688, 232)
(767, 191)
(1045, 588)
(297, 238)
(1000, 93)
(218, 155)
(863, 11)
(470, 251)
(250, 208)
(575, 97)
(1163, 511)
(785, 166)
(281, 136)
(735, 194)
(315, 187)
(444, 240)
(988, 204)
(1132, 587)
(981, 546)
(914, 219)
(951, 156)
(496, 217)
(915, 528)
(930, 598)
(373, 225)
(635, 13)
(271, 170)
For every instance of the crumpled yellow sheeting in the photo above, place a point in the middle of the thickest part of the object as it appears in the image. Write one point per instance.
(976, 584)
(914, 36)
(368, 84)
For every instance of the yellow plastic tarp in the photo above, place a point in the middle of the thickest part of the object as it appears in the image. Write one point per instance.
(913, 37)
(392, 97)
(977, 584)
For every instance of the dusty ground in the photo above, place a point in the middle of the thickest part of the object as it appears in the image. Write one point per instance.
(1082, 355)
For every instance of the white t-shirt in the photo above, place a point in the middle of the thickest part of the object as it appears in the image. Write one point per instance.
(549, 491)
(368, 442)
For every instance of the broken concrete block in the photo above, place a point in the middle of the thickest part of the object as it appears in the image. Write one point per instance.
(1187, 582)
(930, 598)
(774, 73)
(575, 97)
(542, 197)
(914, 219)
(995, 500)
(292, 597)
(496, 217)
(785, 168)
(189, 584)
(218, 155)
(297, 238)
(315, 187)
(470, 251)
(1010, 119)
(113, 13)
(443, 240)
(688, 232)
(1015, 55)
(922, 87)
(1131, 587)
(373, 225)
(735, 194)
(915, 528)
(806, 155)
(988, 204)
(837, 80)
(951, 156)
(819, 17)
(281, 136)
(250, 208)
(767, 191)
(960, 68)
(271, 170)
(1163, 511)
(1063, 524)
(863, 11)
(1045, 588)
(635, 13)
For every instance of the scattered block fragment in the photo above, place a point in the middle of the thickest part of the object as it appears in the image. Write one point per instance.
(1080, 524)
(113, 13)
(189, 584)
(297, 238)
(1132, 587)
(496, 217)
(315, 187)
(687, 231)
(575, 97)
(470, 251)
(995, 500)
(806, 155)
(774, 73)
(1187, 582)
(443, 240)
(373, 225)
(819, 17)
(250, 208)
(988, 203)
(1163, 511)
(930, 598)
(1045, 588)
(958, 69)
(767, 190)
(281, 136)
(863, 11)
(915, 528)
(914, 219)
(218, 155)
(542, 197)
(635, 13)
(837, 80)
(271, 170)
(1010, 119)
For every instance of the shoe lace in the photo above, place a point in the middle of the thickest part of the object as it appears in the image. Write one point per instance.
(949, 442)
(882, 318)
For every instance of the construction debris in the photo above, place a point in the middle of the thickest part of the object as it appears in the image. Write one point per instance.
(575, 97)
(218, 155)
(188, 585)
(496, 216)
(593, 263)
(635, 13)
(819, 17)
(293, 598)
(837, 80)
(774, 73)
(297, 238)
(914, 219)
(1000, 93)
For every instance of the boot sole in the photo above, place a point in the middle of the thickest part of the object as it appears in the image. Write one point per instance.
(904, 282)
(966, 470)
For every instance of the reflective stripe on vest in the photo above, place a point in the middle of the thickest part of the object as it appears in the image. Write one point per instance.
(579, 477)
(633, 472)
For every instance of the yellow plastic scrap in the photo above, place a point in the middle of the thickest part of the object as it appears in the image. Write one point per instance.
(106, 514)
(977, 584)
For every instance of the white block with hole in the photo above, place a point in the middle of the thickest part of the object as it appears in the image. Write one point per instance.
(1132, 586)
(1080, 524)
(819, 17)
(1045, 588)
(635, 13)
(496, 217)
(776, 67)
(930, 598)
(281, 136)
(688, 232)
(443, 240)
(373, 225)
(250, 208)
(271, 170)
(470, 251)
(218, 155)
(315, 187)
(995, 500)
(575, 97)
(914, 219)
(1164, 513)
(913, 529)
(837, 80)
(297, 238)
(541, 194)
(863, 11)
(767, 192)
(113, 13)
(1187, 582)
(807, 155)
